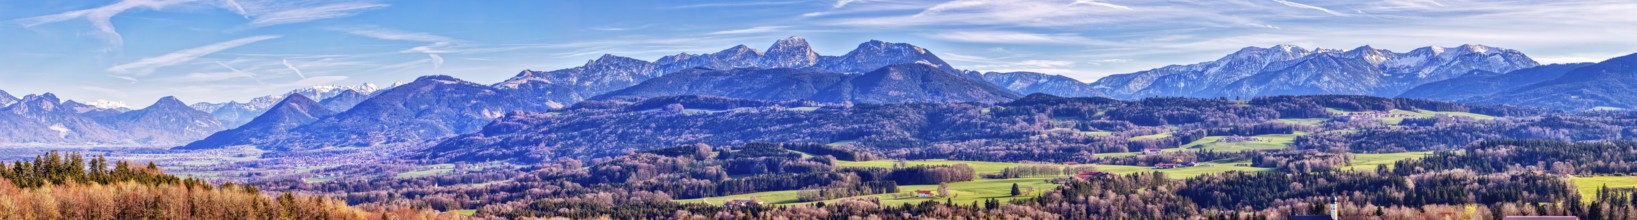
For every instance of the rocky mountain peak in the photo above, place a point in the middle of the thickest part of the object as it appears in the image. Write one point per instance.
(792, 52)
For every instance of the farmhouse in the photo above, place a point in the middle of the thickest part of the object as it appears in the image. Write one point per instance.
(923, 193)
(1150, 150)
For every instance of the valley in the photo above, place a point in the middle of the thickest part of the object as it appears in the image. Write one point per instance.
(890, 129)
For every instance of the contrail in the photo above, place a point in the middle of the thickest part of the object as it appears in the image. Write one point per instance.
(246, 74)
(293, 68)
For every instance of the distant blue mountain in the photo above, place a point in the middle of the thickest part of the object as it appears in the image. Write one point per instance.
(909, 82)
(1292, 70)
(1611, 84)
(609, 73)
(1484, 83)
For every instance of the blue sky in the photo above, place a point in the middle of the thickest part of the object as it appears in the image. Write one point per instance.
(136, 51)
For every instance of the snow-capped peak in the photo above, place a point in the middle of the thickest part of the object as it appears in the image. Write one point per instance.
(100, 103)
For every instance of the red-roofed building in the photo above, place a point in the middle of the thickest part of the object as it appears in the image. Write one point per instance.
(923, 193)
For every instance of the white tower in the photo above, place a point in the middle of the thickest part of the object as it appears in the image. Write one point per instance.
(1334, 205)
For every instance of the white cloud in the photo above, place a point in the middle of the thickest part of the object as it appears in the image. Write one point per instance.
(101, 17)
(146, 66)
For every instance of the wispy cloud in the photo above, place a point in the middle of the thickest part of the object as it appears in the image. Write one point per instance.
(271, 13)
(752, 30)
(100, 17)
(146, 66)
(250, 75)
(390, 34)
(1014, 37)
(737, 4)
(438, 44)
(294, 69)
(1099, 3)
(234, 4)
(1306, 6)
(842, 3)
(628, 28)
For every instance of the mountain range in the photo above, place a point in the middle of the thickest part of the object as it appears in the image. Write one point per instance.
(428, 108)
(1292, 70)
(440, 106)
(1610, 85)
(234, 113)
(44, 119)
(609, 72)
(909, 82)
(434, 107)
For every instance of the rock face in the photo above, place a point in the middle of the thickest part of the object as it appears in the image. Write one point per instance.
(609, 73)
(1032, 82)
(900, 83)
(1611, 84)
(430, 107)
(1291, 70)
(46, 120)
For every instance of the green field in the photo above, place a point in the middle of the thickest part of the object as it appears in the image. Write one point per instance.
(1303, 121)
(1588, 185)
(427, 171)
(1267, 142)
(1369, 161)
(1097, 133)
(964, 192)
(976, 190)
(1152, 136)
(977, 166)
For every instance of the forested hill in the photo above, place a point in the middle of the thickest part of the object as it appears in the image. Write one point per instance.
(1036, 128)
(54, 186)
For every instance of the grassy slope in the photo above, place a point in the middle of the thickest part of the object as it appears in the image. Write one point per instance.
(1269, 142)
(1588, 185)
(1152, 136)
(1303, 121)
(976, 190)
(1369, 161)
(427, 171)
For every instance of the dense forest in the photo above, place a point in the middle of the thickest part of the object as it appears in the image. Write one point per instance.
(1483, 180)
(628, 159)
(54, 186)
(1463, 185)
(1034, 128)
